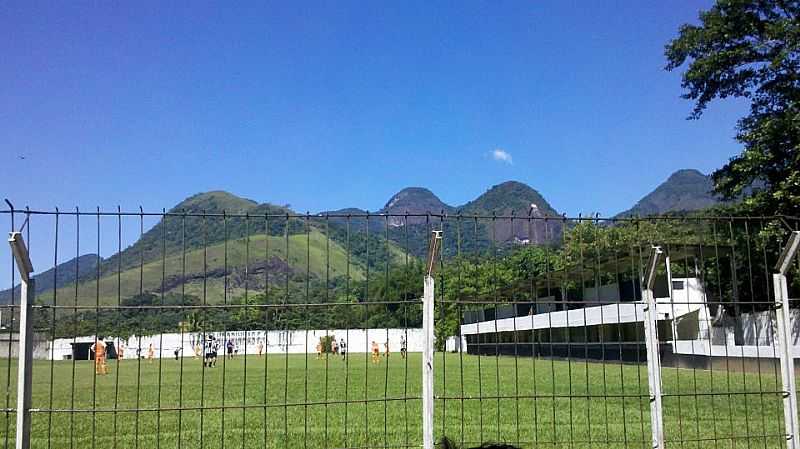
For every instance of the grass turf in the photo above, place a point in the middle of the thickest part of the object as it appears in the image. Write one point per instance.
(537, 402)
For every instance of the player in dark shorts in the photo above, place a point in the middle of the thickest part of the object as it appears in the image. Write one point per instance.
(210, 356)
(343, 349)
(230, 347)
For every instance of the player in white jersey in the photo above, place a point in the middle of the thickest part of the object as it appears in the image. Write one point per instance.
(210, 357)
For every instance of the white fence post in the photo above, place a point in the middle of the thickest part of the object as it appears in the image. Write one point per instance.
(787, 361)
(428, 342)
(25, 352)
(653, 354)
(427, 364)
(791, 425)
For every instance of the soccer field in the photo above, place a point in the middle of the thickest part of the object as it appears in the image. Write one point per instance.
(332, 403)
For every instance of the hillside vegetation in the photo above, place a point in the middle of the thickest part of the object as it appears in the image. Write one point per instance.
(373, 243)
(312, 253)
(683, 191)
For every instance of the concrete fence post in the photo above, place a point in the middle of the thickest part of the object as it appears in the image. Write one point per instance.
(429, 340)
(25, 353)
(427, 364)
(787, 361)
(653, 353)
(785, 344)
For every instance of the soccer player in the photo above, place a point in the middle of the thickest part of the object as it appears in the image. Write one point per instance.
(319, 350)
(151, 353)
(121, 351)
(229, 347)
(343, 349)
(99, 350)
(403, 346)
(376, 352)
(210, 359)
(386, 349)
(334, 347)
(260, 347)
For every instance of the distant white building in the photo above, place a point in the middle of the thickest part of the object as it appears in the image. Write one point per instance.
(606, 323)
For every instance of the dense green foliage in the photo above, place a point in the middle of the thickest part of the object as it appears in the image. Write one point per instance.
(731, 257)
(506, 197)
(748, 49)
(83, 267)
(139, 315)
(174, 233)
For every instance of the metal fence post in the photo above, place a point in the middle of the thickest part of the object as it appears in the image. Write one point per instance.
(24, 378)
(427, 364)
(428, 342)
(651, 344)
(782, 318)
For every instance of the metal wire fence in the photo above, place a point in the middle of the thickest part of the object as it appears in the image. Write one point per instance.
(266, 330)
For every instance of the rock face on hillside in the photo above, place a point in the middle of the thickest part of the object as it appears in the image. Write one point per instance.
(186, 228)
(413, 200)
(685, 190)
(523, 201)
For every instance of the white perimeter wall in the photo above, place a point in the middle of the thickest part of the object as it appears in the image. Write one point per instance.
(275, 342)
(757, 328)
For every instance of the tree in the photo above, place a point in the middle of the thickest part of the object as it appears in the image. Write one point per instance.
(748, 49)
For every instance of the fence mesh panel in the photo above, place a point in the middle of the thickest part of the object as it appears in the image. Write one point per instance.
(275, 330)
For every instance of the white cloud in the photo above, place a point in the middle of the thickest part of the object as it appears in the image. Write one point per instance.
(502, 156)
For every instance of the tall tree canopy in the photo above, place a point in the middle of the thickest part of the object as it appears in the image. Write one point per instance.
(749, 49)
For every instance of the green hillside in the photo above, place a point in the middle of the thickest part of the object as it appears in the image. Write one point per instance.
(174, 231)
(310, 253)
(85, 265)
(506, 197)
(685, 190)
(521, 200)
(154, 263)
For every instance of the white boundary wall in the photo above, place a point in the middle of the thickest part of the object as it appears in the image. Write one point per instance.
(275, 342)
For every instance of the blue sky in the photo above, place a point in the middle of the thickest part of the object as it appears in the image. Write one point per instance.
(338, 104)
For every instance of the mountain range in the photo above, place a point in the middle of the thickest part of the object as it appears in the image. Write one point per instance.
(83, 267)
(219, 256)
(684, 191)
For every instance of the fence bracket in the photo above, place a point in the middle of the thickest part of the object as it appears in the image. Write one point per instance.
(653, 354)
(24, 378)
(782, 318)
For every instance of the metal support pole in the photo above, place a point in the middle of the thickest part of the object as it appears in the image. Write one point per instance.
(428, 342)
(787, 362)
(427, 363)
(785, 346)
(24, 372)
(653, 354)
(25, 356)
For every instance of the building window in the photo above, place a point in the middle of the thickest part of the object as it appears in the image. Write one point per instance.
(677, 285)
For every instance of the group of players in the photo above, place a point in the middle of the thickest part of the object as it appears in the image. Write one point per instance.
(211, 348)
(100, 351)
(340, 348)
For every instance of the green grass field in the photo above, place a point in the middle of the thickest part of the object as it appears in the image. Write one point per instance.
(542, 415)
